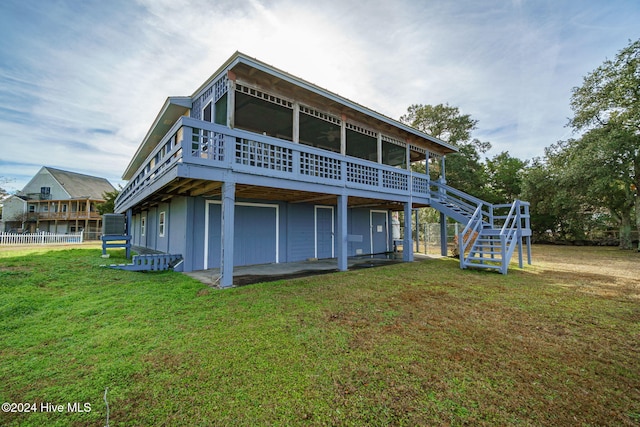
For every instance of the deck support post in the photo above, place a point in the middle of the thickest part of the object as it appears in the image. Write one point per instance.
(443, 234)
(227, 228)
(407, 244)
(129, 233)
(342, 232)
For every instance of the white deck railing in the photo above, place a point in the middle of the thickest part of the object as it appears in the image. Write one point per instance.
(42, 238)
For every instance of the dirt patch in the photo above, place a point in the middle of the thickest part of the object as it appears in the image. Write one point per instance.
(609, 272)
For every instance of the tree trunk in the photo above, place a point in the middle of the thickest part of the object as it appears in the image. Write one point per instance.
(638, 218)
(625, 231)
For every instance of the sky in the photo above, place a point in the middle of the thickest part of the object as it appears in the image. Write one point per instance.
(82, 81)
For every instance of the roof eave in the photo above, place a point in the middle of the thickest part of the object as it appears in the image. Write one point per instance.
(173, 108)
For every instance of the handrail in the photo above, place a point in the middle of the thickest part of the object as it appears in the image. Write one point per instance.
(476, 220)
(465, 201)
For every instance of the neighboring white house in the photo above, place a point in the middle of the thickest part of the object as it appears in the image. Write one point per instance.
(57, 201)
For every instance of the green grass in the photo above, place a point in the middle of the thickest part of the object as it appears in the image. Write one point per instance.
(409, 344)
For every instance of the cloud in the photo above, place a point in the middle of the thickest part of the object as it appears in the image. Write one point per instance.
(81, 83)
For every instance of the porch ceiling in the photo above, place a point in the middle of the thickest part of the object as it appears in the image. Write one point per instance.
(213, 189)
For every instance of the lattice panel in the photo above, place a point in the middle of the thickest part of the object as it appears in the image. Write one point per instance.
(320, 115)
(220, 88)
(394, 180)
(393, 141)
(420, 185)
(207, 144)
(362, 130)
(319, 166)
(361, 174)
(263, 155)
(263, 95)
(196, 109)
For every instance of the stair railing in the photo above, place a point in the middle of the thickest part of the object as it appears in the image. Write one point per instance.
(471, 230)
(509, 234)
(465, 201)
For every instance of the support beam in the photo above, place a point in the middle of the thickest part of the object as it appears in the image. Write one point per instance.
(417, 211)
(296, 122)
(407, 244)
(227, 229)
(443, 235)
(341, 240)
(129, 221)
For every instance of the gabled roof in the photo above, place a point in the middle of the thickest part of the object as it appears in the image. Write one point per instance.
(80, 186)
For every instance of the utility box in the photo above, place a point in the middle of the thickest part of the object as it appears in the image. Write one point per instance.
(113, 225)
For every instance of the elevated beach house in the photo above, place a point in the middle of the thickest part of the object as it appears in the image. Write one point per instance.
(259, 166)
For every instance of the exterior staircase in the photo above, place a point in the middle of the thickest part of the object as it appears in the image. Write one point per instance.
(491, 233)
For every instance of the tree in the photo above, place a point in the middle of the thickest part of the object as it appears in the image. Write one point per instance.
(441, 121)
(598, 166)
(464, 169)
(3, 193)
(110, 201)
(609, 98)
(505, 176)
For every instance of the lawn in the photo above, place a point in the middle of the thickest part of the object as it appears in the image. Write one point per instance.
(425, 343)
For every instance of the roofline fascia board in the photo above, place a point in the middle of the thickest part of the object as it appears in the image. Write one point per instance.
(181, 101)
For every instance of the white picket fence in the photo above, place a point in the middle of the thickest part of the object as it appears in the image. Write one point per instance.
(42, 238)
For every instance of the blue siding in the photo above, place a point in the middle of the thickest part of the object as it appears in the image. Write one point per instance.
(152, 228)
(254, 235)
(177, 223)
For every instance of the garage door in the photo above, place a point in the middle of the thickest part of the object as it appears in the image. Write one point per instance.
(255, 234)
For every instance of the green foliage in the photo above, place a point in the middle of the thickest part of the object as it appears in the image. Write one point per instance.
(110, 200)
(608, 103)
(505, 176)
(441, 121)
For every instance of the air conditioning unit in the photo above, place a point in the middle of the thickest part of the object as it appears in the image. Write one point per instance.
(113, 225)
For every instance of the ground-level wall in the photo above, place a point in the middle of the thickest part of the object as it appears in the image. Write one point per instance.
(264, 231)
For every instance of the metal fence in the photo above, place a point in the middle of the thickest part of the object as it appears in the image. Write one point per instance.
(427, 241)
(42, 238)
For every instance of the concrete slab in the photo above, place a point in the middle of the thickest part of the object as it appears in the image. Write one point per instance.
(249, 274)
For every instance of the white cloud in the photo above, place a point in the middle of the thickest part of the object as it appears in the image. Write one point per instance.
(81, 92)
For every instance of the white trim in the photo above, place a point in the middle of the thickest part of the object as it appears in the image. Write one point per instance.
(258, 205)
(386, 226)
(162, 223)
(315, 230)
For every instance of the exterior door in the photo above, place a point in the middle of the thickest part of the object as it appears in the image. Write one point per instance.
(324, 232)
(379, 232)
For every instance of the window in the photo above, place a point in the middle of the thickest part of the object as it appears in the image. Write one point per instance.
(394, 154)
(32, 208)
(143, 225)
(221, 110)
(206, 113)
(45, 193)
(362, 146)
(161, 224)
(268, 117)
(319, 133)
